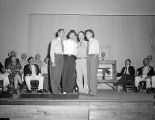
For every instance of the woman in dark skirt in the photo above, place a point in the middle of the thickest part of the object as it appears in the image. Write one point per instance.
(70, 52)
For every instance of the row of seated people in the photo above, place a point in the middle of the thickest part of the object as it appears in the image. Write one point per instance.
(18, 75)
(19, 71)
(23, 60)
(145, 73)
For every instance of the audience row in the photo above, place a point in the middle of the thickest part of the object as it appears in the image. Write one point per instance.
(21, 71)
(17, 72)
(145, 73)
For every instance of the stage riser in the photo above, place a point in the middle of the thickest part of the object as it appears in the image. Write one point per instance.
(121, 115)
(30, 112)
(80, 110)
(122, 105)
(122, 111)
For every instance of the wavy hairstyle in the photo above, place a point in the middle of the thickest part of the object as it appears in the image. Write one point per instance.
(71, 31)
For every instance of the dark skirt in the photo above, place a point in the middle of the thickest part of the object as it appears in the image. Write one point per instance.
(69, 74)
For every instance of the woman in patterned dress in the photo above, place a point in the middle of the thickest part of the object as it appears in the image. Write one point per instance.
(14, 69)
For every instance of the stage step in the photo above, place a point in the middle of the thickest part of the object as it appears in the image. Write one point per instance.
(122, 111)
(121, 115)
(78, 110)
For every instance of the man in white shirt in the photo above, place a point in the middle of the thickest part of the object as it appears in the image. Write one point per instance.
(70, 52)
(93, 61)
(32, 72)
(57, 60)
(145, 73)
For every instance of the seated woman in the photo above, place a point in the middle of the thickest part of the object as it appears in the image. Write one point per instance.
(4, 77)
(38, 61)
(126, 74)
(23, 62)
(151, 61)
(8, 60)
(144, 73)
(14, 69)
(44, 72)
(32, 72)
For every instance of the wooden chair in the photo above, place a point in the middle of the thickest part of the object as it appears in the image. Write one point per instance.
(11, 85)
(130, 85)
(142, 86)
(34, 85)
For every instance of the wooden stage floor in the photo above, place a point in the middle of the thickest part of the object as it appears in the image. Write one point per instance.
(107, 105)
(103, 95)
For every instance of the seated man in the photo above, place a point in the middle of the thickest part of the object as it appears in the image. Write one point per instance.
(126, 74)
(4, 77)
(144, 73)
(44, 72)
(32, 72)
(14, 69)
(153, 82)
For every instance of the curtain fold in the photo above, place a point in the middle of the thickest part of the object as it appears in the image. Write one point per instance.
(127, 36)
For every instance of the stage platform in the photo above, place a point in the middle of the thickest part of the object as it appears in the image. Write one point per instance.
(103, 95)
(107, 105)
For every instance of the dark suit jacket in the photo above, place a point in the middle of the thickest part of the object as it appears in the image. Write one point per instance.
(131, 70)
(150, 73)
(1, 68)
(28, 71)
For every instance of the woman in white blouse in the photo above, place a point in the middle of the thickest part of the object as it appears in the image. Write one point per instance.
(70, 52)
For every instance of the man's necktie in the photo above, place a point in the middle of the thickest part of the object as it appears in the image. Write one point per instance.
(62, 45)
(87, 51)
(125, 70)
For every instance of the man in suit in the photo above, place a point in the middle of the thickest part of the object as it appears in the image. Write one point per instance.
(127, 74)
(144, 73)
(32, 72)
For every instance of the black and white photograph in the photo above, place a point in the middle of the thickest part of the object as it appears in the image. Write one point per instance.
(77, 59)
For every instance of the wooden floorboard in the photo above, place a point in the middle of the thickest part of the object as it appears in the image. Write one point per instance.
(103, 95)
(106, 105)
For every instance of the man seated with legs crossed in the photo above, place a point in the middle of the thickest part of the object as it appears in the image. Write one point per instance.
(127, 75)
(144, 73)
(32, 72)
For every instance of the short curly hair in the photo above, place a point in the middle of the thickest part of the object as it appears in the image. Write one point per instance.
(71, 31)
